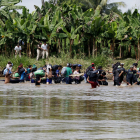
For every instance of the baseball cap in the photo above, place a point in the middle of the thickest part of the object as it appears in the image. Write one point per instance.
(79, 65)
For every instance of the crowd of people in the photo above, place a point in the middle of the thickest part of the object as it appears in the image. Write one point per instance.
(72, 73)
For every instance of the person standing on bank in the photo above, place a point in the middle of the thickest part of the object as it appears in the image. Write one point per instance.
(17, 50)
(44, 50)
(39, 50)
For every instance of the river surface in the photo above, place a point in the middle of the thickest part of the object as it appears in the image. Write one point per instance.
(63, 112)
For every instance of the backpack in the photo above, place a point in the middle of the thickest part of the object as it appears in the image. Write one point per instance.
(54, 68)
(64, 71)
(92, 74)
(39, 72)
(20, 71)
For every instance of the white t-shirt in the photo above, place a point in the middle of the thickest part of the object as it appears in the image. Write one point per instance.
(76, 72)
(18, 48)
(44, 47)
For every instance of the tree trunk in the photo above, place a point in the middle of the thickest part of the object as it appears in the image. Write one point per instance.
(43, 3)
(58, 45)
(138, 49)
(71, 43)
(29, 50)
(120, 51)
(96, 45)
(136, 53)
(48, 50)
(112, 46)
(64, 44)
(89, 48)
(93, 49)
(129, 51)
(5, 50)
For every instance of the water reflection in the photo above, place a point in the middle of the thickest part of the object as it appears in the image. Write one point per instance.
(40, 113)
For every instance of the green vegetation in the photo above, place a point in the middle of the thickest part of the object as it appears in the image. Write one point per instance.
(62, 60)
(94, 33)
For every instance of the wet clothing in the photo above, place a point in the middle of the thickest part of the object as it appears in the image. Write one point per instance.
(5, 72)
(69, 71)
(49, 80)
(102, 82)
(57, 72)
(100, 71)
(135, 76)
(22, 77)
(93, 79)
(122, 75)
(130, 76)
(37, 79)
(93, 84)
(116, 77)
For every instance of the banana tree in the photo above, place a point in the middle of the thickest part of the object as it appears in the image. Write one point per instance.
(94, 28)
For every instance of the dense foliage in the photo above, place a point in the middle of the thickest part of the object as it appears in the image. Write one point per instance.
(70, 29)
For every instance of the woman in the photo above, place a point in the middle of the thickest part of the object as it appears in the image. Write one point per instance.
(77, 78)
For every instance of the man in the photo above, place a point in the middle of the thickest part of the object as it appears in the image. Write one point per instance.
(22, 72)
(57, 78)
(68, 73)
(122, 75)
(130, 76)
(102, 79)
(117, 73)
(90, 68)
(93, 78)
(17, 50)
(39, 50)
(44, 50)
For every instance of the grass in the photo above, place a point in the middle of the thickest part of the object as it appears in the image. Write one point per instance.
(63, 59)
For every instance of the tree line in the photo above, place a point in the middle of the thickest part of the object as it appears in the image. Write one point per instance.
(74, 29)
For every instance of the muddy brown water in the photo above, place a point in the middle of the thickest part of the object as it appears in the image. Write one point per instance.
(51, 112)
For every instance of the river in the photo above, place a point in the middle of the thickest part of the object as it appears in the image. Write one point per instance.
(59, 111)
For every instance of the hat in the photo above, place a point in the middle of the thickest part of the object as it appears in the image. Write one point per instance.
(92, 63)
(79, 65)
(131, 66)
(122, 63)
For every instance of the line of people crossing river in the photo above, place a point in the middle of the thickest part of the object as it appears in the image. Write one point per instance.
(71, 73)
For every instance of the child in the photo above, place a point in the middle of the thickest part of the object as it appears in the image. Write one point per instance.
(49, 76)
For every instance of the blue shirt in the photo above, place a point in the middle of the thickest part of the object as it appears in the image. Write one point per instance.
(57, 72)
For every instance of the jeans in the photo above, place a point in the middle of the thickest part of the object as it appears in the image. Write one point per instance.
(68, 80)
